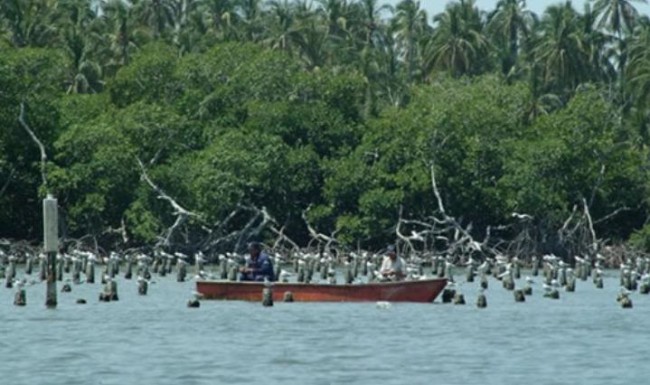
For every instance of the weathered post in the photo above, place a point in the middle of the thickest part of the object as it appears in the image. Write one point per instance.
(267, 296)
(20, 298)
(129, 268)
(42, 265)
(10, 272)
(59, 269)
(143, 285)
(519, 296)
(50, 247)
(481, 300)
(459, 299)
(182, 271)
(90, 271)
(29, 265)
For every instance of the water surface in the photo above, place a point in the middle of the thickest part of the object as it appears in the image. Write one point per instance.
(583, 338)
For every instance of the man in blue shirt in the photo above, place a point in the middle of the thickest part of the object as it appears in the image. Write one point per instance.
(259, 267)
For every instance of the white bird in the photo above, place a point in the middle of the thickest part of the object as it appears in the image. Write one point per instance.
(284, 275)
(415, 236)
(529, 280)
(383, 305)
(521, 216)
(180, 255)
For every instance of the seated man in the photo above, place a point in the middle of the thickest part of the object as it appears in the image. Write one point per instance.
(259, 267)
(393, 268)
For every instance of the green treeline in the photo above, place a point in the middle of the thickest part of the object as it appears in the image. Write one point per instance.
(332, 108)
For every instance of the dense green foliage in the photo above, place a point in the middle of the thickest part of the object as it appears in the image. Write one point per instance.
(336, 108)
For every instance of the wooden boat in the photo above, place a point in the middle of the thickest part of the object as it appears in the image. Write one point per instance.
(403, 291)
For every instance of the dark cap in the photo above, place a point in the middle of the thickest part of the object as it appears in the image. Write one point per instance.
(391, 249)
(254, 246)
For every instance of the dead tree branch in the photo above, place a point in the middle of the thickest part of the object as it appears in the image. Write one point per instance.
(41, 147)
(594, 240)
(4, 187)
(180, 212)
(611, 215)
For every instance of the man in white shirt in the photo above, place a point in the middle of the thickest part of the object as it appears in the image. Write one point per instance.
(393, 268)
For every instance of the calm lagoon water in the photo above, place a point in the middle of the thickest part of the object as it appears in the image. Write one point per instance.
(583, 338)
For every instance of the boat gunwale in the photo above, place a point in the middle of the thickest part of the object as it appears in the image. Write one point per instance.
(275, 283)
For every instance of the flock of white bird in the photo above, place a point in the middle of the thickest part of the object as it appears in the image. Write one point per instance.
(314, 267)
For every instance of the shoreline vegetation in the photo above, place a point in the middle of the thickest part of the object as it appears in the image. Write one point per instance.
(330, 126)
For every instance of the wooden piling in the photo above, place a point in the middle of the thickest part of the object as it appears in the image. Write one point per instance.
(448, 295)
(469, 277)
(233, 272)
(50, 247)
(182, 272)
(223, 268)
(484, 281)
(42, 273)
(128, 273)
(481, 301)
(571, 285)
(29, 265)
(90, 272)
(301, 274)
(535, 267)
(349, 275)
(519, 296)
(20, 299)
(10, 273)
(598, 281)
(644, 288)
(59, 270)
(553, 294)
(267, 297)
(143, 286)
(528, 290)
(194, 303)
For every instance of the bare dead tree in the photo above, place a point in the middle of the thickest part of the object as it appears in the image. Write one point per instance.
(182, 214)
(41, 147)
(121, 231)
(319, 238)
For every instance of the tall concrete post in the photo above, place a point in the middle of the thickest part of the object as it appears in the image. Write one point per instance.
(50, 246)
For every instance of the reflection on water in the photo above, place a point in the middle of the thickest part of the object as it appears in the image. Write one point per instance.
(583, 338)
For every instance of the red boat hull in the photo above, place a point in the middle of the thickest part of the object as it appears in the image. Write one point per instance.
(405, 291)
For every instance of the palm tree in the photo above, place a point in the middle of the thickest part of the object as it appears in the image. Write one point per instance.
(559, 50)
(639, 65)
(459, 45)
(122, 34)
(638, 75)
(282, 26)
(617, 15)
(158, 15)
(312, 38)
(192, 32)
(250, 16)
(75, 19)
(509, 24)
(596, 45)
(336, 14)
(371, 17)
(409, 25)
(223, 17)
(28, 22)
